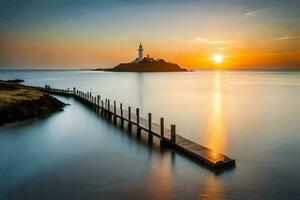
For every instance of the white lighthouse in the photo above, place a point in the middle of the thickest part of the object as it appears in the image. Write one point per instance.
(140, 50)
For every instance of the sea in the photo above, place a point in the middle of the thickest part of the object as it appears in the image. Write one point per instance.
(251, 116)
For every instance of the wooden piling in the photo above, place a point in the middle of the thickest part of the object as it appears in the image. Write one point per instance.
(105, 107)
(122, 120)
(129, 117)
(115, 112)
(173, 133)
(150, 136)
(138, 129)
(102, 107)
(162, 129)
(108, 109)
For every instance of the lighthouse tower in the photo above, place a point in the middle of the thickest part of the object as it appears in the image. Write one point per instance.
(140, 58)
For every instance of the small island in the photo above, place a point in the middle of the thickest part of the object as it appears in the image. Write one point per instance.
(145, 64)
(19, 102)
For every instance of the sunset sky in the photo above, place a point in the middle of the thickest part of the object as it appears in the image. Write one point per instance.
(103, 33)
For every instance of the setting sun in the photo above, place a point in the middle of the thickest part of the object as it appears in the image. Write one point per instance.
(218, 58)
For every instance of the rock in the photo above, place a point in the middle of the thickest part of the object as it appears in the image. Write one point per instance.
(146, 66)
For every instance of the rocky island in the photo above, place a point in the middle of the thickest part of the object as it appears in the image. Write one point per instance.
(145, 64)
(19, 102)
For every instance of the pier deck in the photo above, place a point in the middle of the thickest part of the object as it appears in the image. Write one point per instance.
(167, 136)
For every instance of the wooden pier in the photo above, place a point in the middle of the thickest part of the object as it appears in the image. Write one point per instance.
(167, 136)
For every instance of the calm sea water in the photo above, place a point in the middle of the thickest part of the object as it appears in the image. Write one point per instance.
(252, 116)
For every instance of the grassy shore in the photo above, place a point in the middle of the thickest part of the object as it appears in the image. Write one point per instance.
(19, 102)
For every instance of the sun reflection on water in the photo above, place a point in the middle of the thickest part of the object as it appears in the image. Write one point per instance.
(215, 136)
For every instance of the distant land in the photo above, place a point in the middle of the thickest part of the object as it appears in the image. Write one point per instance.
(145, 64)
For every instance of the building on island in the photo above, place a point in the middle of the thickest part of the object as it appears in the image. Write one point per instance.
(140, 57)
(140, 50)
(145, 64)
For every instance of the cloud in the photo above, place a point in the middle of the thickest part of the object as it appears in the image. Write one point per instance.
(287, 38)
(208, 41)
(256, 12)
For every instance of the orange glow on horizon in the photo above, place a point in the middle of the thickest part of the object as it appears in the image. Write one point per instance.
(68, 52)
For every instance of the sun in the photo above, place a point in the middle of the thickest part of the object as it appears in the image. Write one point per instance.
(218, 58)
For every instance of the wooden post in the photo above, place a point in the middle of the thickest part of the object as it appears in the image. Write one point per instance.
(162, 129)
(105, 107)
(129, 117)
(98, 99)
(74, 90)
(150, 136)
(102, 106)
(138, 130)
(68, 90)
(122, 121)
(108, 105)
(173, 133)
(115, 112)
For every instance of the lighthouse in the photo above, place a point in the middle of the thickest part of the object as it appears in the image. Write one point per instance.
(140, 50)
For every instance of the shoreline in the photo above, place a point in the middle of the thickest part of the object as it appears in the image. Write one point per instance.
(19, 103)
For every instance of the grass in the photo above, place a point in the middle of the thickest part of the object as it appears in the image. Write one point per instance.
(12, 93)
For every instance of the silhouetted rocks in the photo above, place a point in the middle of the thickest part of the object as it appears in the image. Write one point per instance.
(146, 65)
